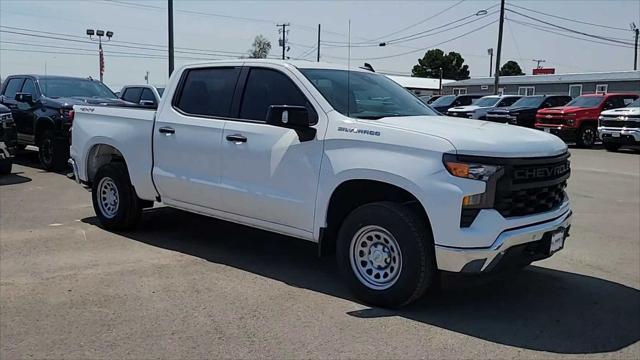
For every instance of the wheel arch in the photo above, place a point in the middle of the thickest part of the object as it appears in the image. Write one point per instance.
(99, 155)
(43, 124)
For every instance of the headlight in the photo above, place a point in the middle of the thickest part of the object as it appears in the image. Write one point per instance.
(475, 171)
(471, 171)
(601, 117)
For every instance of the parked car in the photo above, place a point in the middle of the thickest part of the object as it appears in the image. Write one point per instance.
(618, 127)
(443, 103)
(8, 140)
(428, 99)
(523, 112)
(145, 95)
(303, 155)
(479, 109)
(577, 121)
(43, 113)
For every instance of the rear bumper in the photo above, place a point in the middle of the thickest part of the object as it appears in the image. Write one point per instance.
(619, 135)
(520, 245)
(565, 133)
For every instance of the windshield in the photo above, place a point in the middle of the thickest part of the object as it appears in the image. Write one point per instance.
(586, 101)
(160, 91)
(371, 96)
(529, 101)
(486, 101)
(55, 88)
(444, 100)
(635, 103)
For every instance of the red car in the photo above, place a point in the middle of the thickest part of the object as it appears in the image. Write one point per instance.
(577, 121)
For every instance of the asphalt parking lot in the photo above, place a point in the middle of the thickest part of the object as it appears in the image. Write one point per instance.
(186, 286)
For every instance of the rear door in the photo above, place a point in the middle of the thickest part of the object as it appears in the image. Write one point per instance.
(188, 134)
(268, 173)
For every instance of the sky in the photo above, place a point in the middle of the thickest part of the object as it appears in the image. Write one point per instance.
(226, 29)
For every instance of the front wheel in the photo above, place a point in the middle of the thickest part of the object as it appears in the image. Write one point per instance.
(5, 169)
(587, 136)
(114, 199)
(386, 253)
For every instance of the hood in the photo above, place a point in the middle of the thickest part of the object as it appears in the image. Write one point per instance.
(4, 109)
(622, 111)
(565, 109)
(512, 109)
(79, 100)
(482, 138)
(467, 108)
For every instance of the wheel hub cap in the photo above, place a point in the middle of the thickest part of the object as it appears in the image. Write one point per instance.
(108, 197)
(376, 259)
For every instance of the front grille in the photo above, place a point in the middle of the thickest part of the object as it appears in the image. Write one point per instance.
(532, 186)
(620, 123)
(557, 121)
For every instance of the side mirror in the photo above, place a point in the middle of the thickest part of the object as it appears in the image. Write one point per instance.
(295, 117)
(24, 98)
(147, 103)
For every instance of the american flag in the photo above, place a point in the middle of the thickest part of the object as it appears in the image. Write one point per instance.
(101, 62)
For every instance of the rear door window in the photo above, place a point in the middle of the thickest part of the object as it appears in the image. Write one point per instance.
(266, 87)
(208, 91)
(12, 88)
(132, 94)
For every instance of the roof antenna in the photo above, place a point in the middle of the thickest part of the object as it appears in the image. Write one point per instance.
(349, 73)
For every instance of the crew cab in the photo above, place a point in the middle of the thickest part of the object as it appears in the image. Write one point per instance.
(523, 112)
(577, 121)
(344, 158)
(42, 108)
(480, 108)
(620, 127)
(8, 140)
(144, 95)
(443, 103)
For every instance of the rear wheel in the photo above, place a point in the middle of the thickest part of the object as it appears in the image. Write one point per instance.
(385, 251)
(611, 146)
(587, 136)
(52, 152)
(114, 199)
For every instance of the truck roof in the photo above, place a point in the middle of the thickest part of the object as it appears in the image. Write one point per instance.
(300, 64)
(38, 76)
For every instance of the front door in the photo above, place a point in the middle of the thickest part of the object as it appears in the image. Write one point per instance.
(188, 134)
(268, 173)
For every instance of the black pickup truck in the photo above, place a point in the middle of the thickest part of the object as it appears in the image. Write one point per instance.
(523, 112)
(8, 140)
(42, 108)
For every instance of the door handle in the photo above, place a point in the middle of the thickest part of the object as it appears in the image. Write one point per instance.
(167, 130)
(237, 138)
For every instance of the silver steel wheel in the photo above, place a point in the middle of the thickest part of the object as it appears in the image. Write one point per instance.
(108, 197)
(588, 136)
(376, 259)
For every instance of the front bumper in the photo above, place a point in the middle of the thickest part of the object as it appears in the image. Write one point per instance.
(619, 135)
(561, 131)
(526, 244)
(7, 152)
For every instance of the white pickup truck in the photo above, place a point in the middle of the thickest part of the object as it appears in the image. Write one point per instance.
(344, 158)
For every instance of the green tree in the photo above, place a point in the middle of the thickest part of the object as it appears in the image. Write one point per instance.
(510, 68)
(452, 65)
(260, 48)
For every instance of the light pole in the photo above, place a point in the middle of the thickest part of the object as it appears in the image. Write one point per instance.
(100, 34)
(636, 31)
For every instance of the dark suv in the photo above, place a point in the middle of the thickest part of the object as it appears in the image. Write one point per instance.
(443, 103)
(7, 140)
(523, 112)
(42, 108)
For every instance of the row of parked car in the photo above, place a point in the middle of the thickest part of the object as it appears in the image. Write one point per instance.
(612, 117)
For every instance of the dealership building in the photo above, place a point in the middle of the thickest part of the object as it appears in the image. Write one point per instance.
(556, 84)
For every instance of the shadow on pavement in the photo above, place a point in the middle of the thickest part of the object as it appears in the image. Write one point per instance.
(538, 308)
(13, 178)
(29, 158)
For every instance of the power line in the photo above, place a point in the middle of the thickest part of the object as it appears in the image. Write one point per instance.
(568, 19)
(545, 29)
(569, 29)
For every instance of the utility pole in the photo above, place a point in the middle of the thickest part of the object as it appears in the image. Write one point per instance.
(496, 82)
(490, 53)
(635, 54)
(170, 20)
(318, 57)
(146, 77)
(100, 34)
(283, 41)
(440, 86)
(539, 61)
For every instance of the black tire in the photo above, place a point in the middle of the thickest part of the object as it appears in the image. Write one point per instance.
(415, 242)
(611, 146)
(5, 169)
(128, 210)
(53, 152)
(587, 136)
